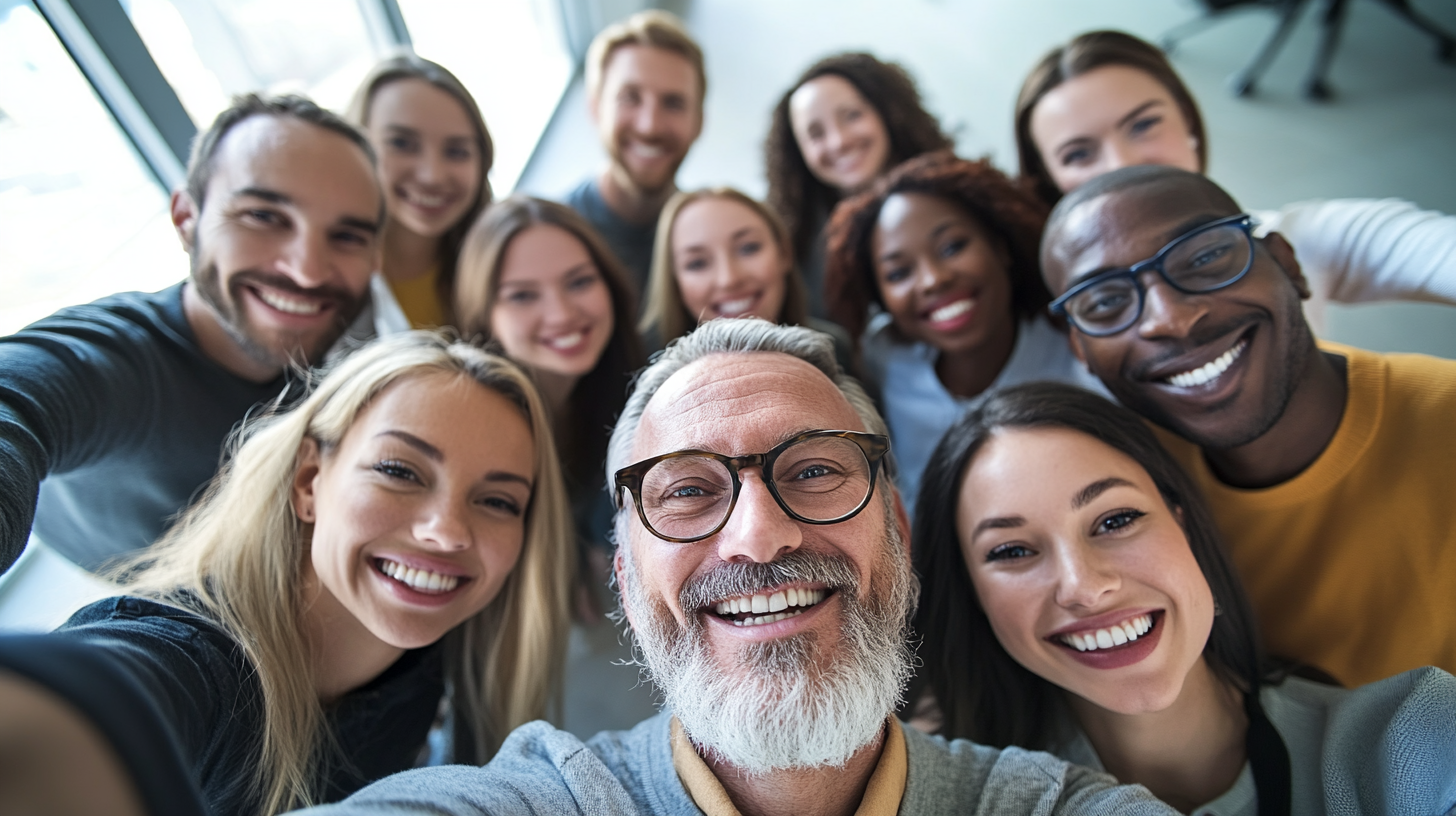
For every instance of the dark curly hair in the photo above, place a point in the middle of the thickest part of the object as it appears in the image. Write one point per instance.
(800, 199)
(1087, 52)
(1003, 208)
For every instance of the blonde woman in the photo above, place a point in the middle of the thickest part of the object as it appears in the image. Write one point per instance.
(399, 536)
(721, 253)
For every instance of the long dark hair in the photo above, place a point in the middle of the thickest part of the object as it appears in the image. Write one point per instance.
(600, 394)
(1006, 211)
(1084, 53)
(410, 66)
(983, 694)
(800, 199)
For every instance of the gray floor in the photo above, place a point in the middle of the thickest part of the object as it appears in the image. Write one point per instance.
(1391, 131)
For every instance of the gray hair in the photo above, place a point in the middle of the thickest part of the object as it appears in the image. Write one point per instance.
(734, 336)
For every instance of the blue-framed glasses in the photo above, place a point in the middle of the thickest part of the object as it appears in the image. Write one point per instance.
(1204, 259)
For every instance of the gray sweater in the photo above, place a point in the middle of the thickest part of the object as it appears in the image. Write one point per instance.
(543, 770)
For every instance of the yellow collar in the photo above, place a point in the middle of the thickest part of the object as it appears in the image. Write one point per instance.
(881, 798)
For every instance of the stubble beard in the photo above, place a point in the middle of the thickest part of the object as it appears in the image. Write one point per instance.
(793, 702)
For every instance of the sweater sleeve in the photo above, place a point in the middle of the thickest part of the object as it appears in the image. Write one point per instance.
(70, 388)
(1359, 250)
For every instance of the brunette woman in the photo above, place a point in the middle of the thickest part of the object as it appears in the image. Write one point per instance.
(947, 249)
(1076, 599)
(434, 153)
(1107, 100)
(848, 119)
(720, 253)
(397, 538)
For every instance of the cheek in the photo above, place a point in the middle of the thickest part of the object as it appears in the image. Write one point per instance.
(511, 327)
(695, 288)
(1012, 615)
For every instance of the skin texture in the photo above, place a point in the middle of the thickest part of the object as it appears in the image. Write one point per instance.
(931, 254)
(435, 474)
(1277, 405)
(553, 311)
(292, 221)
(429, 166)
(840, 134)
(738, 404)
(1064, 534)
(727, 263)
(648, 112)
(1110, 117)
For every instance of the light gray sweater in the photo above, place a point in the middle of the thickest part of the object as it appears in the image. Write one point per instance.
(543, 770)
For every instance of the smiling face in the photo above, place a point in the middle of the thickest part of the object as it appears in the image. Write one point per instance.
(552, 311)
(419, 513)
(942, 277)
(284, 246)
(1218, 368)
(429, 155)
(648, 112)
(840, 134)
(1083, 571)
(727, 261)
(732, 626)
(1110, 117)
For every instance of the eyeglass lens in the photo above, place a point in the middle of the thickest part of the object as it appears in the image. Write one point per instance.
(821, 478)
(1201, 262)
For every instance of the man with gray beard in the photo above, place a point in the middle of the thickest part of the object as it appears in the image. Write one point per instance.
(764, 568)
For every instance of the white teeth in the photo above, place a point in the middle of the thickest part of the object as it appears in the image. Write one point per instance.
(1209, 371)
(565, 340)
(432, 583)
(287, 304)
(733, 308)
(767, 608)
(951, 311)
(647, 150)
(426, 200)
(1115, 635)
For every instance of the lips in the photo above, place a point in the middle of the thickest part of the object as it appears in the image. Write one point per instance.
(736, 307)
(768, 607)
(1209, 371)
(1084, 641)
(570, 343)
(951, 314)
(289, 304)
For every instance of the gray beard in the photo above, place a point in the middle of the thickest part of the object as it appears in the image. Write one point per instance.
(795, 703)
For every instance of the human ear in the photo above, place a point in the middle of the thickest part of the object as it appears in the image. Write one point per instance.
(303, 480)
(185, 213)
(1284, 255)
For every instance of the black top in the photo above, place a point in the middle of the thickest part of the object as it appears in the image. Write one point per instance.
(116, 408)
(182, 707)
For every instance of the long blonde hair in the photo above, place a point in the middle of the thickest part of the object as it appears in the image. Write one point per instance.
(664, 311)
(236, 557)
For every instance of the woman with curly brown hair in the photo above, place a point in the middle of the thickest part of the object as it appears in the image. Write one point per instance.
(848, 118)
(947, 249)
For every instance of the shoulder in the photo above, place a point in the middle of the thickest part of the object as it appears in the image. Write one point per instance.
(946, 775)
(137, 317)
(1416, 383)
(584, 197)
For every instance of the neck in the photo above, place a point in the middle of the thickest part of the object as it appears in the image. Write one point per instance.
(1298, 437)
(819, 791)
(1187, 754)
(345, 654)
(218, 344)
(630, 202)
(407, 255)
(970, 372)
(555, 391)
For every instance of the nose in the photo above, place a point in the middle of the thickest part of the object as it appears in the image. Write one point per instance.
(726, 271)
(430, 167)
(1085, 577)
(1168, 312)
(930, 275)
(759, 530)
(649, 117)
(1118, 154)
(557, 307)
(305, 259)
(442, 527)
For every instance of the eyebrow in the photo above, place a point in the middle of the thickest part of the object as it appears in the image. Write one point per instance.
(368, 225)
(1187, 225)
(437, 455)
(998, 523)
(1138, 111)
(1097, 488)
(935, 233)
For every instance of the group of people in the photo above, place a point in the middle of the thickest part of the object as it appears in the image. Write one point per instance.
(1103, 514)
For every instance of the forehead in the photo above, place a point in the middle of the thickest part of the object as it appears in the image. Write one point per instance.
(1125, 227)
(1019, 469)
(741, 403)
(415, 103)
(303, 161)
(1103, 92)
(824, 94)
(541, 252)
(713, 215)
(918, 212)
(468, 422)
(652, 67)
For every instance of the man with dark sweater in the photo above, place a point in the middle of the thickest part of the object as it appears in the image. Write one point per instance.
(113, 415)
(645, 87)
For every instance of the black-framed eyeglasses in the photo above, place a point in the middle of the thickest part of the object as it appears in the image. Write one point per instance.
(819, 477)
(1204, 259)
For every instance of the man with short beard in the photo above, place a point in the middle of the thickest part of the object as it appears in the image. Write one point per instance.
(645, 86)
(765, 576)
(113, 414)
(1329, 468)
